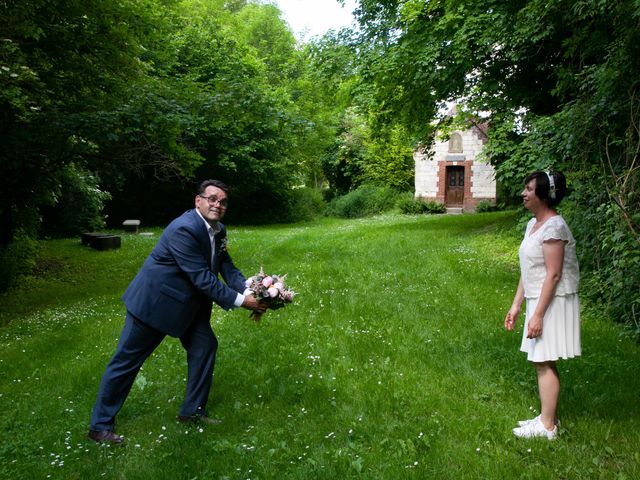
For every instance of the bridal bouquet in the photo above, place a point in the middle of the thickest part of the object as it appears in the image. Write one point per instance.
(269, 289)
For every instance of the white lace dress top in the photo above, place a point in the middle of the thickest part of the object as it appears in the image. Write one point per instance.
(532, 267)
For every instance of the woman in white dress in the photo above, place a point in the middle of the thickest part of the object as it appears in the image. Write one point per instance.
(549, 278)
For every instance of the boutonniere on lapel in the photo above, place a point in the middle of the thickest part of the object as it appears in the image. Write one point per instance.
(223, 245)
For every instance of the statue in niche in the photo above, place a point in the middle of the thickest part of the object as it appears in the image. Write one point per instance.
(455, 143)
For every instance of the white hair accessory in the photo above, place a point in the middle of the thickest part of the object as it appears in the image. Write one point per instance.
(552, 186)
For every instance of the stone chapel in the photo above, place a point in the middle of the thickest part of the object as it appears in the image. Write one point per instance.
(450, 172)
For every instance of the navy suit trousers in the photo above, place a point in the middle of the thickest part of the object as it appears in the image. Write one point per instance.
(137, 342)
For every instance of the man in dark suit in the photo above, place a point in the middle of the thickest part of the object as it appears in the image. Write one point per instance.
(172, 294)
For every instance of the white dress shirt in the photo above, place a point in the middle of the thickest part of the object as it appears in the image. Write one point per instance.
(213, 231)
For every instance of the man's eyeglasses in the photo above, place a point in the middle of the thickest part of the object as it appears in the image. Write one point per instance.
(213, 200)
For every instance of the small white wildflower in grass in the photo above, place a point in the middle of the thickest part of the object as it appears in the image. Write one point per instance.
(137, 445)
(200, 430)
(478, 449)
(529, 450)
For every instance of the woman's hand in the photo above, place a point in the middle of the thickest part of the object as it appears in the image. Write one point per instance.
(534, 329)
(511, 318)
(514, 312)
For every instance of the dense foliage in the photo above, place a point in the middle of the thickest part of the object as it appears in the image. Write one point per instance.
(558, 82)
(149, 97)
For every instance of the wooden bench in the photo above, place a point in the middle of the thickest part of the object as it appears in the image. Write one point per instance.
(131, 225)
(101, 241)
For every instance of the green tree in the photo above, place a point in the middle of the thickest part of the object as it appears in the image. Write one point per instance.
(58, 59)
(390, 160)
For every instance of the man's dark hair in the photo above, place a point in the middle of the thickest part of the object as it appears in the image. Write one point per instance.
(212, 183)
(543, 186)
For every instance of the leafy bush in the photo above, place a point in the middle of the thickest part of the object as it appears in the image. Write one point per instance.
(410, 205)
(364, 201)
(415, 206)
(307, 204)
(17, 258)
(485, 206)
(609, 257)
(434, 207)
(79, 205)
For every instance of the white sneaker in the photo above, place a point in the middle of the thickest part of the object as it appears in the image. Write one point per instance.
(522, 423)
(535, 428)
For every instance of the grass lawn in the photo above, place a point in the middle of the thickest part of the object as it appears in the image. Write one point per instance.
(392, 362)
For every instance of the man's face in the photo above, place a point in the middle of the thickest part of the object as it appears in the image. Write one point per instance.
(212, 204)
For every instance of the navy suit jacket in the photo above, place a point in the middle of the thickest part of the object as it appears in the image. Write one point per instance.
(178, 282)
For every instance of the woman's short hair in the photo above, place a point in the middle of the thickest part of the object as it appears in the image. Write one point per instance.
(551, 187)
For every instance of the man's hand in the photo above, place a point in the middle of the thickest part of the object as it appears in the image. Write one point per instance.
(257, 307)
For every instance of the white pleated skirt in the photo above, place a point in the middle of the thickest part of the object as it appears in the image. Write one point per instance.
(560, 331)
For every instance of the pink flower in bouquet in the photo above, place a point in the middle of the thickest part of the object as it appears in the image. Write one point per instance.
(267, 281)
(273, 292)
(287, 296)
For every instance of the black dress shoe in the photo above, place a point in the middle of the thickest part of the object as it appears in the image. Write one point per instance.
(198, 419)
(105, 436)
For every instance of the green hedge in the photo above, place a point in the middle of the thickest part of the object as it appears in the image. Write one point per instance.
(17, 258)
(410, 205)
(366, 200)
